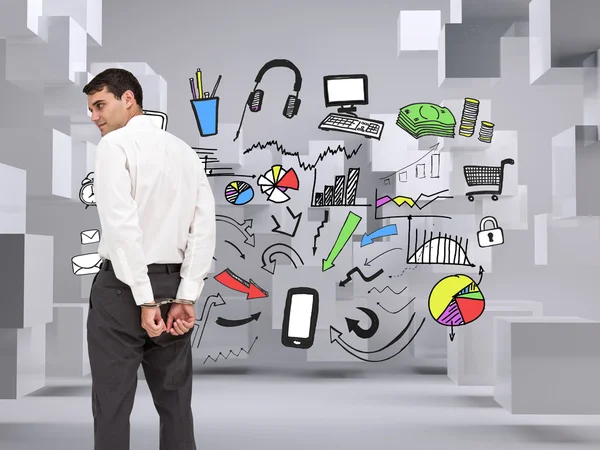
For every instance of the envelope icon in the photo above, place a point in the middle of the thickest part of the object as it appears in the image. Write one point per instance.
(86, 264)
(90, 236)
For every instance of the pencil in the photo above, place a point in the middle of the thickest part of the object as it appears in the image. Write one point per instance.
(216, 86)
(193, 88)
(199, 81)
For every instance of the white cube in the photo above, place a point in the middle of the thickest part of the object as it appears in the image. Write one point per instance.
(419, 30)
(66, 341)
(547, 365)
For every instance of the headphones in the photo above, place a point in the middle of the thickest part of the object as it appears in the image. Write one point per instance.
(255, 99)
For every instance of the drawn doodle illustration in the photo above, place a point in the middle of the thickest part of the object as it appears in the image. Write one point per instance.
(402, 205)
(354, 327)
(255, 99)
(239, 193)
(295, 217)
(300, 317)
(229, 279)
(357, 270)
(318, 233)
(486, 176)
(230, 323)
(369, 261)
(336, 336)
(201, 322)
(205, 106)
(456, 300)
(86, 192)
(468, 122)
(346, 232)
(401, 309)
(276, 181)
(90, 236)
(159, 118)
(434, 167)
(231, 244)
(388, 230)
(346, 91)
(283, 249)
(489, 237)
(426, 119)
(243, 227)
(341, 193)
(444, 250)
(86, 264)
(231, 353)
(304, 165)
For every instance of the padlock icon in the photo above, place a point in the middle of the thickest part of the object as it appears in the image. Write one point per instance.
(490, 236)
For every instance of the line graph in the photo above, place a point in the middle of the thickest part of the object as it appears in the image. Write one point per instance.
(232, 353)
(304, 166)
(421, 202)
(435, 167)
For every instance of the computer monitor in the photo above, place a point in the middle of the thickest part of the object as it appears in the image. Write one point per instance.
(346, 91)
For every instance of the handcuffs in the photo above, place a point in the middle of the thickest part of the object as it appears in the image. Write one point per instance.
(166, 301)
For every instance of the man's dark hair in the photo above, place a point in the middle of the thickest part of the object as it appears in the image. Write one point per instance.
(116, 81)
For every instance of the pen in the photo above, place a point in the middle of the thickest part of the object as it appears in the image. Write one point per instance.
(206, 94)
(199, 81)
(216, 86)
(193, 88)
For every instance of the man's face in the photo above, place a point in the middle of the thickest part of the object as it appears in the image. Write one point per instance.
(109, 113)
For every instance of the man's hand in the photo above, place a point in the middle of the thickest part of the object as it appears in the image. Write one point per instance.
(180, 319)
(152, 321)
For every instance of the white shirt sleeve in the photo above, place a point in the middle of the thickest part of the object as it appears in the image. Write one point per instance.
(201, 241)
(119, 219)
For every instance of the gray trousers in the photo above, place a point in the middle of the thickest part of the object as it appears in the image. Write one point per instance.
(117, 345)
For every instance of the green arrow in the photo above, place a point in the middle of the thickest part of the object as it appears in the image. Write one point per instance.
(346, 232)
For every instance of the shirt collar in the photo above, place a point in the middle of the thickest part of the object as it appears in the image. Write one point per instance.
(141, 121)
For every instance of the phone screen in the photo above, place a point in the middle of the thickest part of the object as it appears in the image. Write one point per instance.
(300, 315)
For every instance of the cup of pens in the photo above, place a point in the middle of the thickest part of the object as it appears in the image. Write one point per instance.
(205, 106)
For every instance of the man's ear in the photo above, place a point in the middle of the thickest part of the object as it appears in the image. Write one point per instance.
(129, 98)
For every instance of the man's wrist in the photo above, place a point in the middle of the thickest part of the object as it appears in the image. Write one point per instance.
(151, 304)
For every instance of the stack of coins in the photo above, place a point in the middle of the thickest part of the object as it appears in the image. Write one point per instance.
(486, 131)
(469, 117)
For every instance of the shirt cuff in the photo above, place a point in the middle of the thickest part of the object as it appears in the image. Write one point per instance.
(189, 290)
(142, 293)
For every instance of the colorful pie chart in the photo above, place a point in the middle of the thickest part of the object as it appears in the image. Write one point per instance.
(276, 181)
(456, 300)
(239, 193)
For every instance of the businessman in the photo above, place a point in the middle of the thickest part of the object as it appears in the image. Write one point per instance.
(157, 218)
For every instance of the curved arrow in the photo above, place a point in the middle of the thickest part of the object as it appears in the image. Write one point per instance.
(368, 263)
(272, 260)
(241, 227)
(396, 312)
(361, 332)
(335, 335)
(232, 281)
(205, 310)
(296, 218)
(362, 275)
(236, 322)
(236, 247)
(388, 230)
(389, 357)
(480, 275)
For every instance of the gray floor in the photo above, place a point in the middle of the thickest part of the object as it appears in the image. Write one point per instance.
(310, 409)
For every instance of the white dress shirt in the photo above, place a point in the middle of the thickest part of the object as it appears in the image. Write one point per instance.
(155, 206)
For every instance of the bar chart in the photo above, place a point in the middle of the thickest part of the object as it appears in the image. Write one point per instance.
(342, 192)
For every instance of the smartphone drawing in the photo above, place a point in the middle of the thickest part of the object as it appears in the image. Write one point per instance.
(300, 317)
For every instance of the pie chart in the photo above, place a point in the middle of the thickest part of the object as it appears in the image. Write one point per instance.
(456, 300)
(276, 181)
(239, 193)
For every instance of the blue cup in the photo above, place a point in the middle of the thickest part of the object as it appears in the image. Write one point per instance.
(206, 111)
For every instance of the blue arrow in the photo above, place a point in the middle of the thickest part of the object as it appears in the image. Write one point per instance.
(388, 230)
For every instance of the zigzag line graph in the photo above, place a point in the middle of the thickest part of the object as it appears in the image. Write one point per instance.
(382, 290)
(232, 353)
(304, 166)
(316, 236)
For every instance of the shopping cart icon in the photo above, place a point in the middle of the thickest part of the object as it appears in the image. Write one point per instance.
(486, 176)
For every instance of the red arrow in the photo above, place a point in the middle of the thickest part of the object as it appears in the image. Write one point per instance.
(232, 281)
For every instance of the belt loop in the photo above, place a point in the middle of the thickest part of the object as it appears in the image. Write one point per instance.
(104, 265)
(169, 268)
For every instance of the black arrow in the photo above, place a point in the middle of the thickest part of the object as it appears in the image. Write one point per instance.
(236, 247)
(368, 263)
(272, 260)
(361, 332)
(362, 275)
(396, 312)
(389, 357)
(480, 275)
(236, 322)
(241, 227)
(325, 220)
(296, 224)
(335, 335)
(452, 333)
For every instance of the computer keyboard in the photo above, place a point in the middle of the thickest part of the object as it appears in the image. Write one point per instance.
(348, 124)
